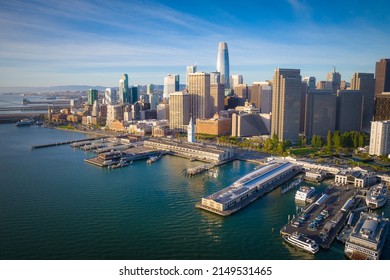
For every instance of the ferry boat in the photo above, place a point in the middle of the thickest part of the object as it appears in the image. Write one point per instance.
(304, 193)
(153, 159)
(301, 241)
(24, 122)
(367, 238)
(376, 196)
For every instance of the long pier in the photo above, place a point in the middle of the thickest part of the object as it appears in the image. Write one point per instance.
(66, 142)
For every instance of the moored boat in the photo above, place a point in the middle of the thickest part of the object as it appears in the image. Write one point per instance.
(302, 242)
(376, 196)
(25, 122)
(304, 193)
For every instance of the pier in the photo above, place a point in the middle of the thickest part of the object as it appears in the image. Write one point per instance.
(337, 202)
(248, 188)
(66, 142)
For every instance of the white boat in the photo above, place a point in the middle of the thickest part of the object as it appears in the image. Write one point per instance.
(301, 241)
(153, 159)
(376, 196)
(304, 193)
(25, 122)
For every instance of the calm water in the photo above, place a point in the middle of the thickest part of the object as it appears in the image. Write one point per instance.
(55, 206)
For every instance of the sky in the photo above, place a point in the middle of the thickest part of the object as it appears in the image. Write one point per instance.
(92, 42)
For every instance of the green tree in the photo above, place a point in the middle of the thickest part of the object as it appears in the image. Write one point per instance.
(337, 140)
(274, 142)
(329, 141)
(281, 147)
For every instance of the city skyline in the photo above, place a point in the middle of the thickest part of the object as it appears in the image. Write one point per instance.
(84, 42)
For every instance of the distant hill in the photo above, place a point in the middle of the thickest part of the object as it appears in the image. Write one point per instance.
(49, 89)
(9, 90)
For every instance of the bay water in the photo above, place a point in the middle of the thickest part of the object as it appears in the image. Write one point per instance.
(55, 206)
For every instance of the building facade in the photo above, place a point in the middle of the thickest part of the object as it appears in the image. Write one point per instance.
(365, 82)
(349, 110)
(171, 84)
(179, 110)
(380, 138)
(217, 96)
(124, 96)
(286, 104)
(382, 76)
(320, 113)
(110, 96)
(92, 96)
(223, 63)
(199, 90)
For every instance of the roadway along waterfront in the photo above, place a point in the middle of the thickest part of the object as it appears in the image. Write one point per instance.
(54, 206)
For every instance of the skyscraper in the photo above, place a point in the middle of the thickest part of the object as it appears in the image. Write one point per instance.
(199, 90)
(217, 96)
(236, 80)
(92, 96)
(149, 88)
(365, 82)
(223, 63)
(190, 69)
(335, 78)
(171, 84)
(320, 113)
(124, 96)
(349, 110)
(286, 105)
(179, 110)
(133, 94)
(110, 96)
(382, 76)
(380, 138)
(311, 82)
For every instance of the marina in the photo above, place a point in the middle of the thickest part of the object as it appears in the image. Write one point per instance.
(324, 218)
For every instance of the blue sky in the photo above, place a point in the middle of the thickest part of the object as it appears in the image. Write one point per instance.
(47, 43)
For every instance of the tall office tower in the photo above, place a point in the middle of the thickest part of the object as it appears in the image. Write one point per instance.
(199, 90)
(365, 82)
(335, 78)
(171, 84)
(286, 106)
(311, 82)
(149, 88)
(154, 100)
(304, 90)
(215, 77)
(114, 112)
(190, 70)
(349, 110)
(223, 63)
(266, 99)
(382, 76)
(133, 94)
(236, 80)
(95, 109)
(320, 113)
(179, 110)
(110, 96)
(92, 96)
(324, 85)
(382, 107)
(124, 96)
(380, 138)
(217, 96)
(254, 94)
(241, 91)
(163, 111)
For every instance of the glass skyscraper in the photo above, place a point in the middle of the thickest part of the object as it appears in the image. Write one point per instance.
(223, 63)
